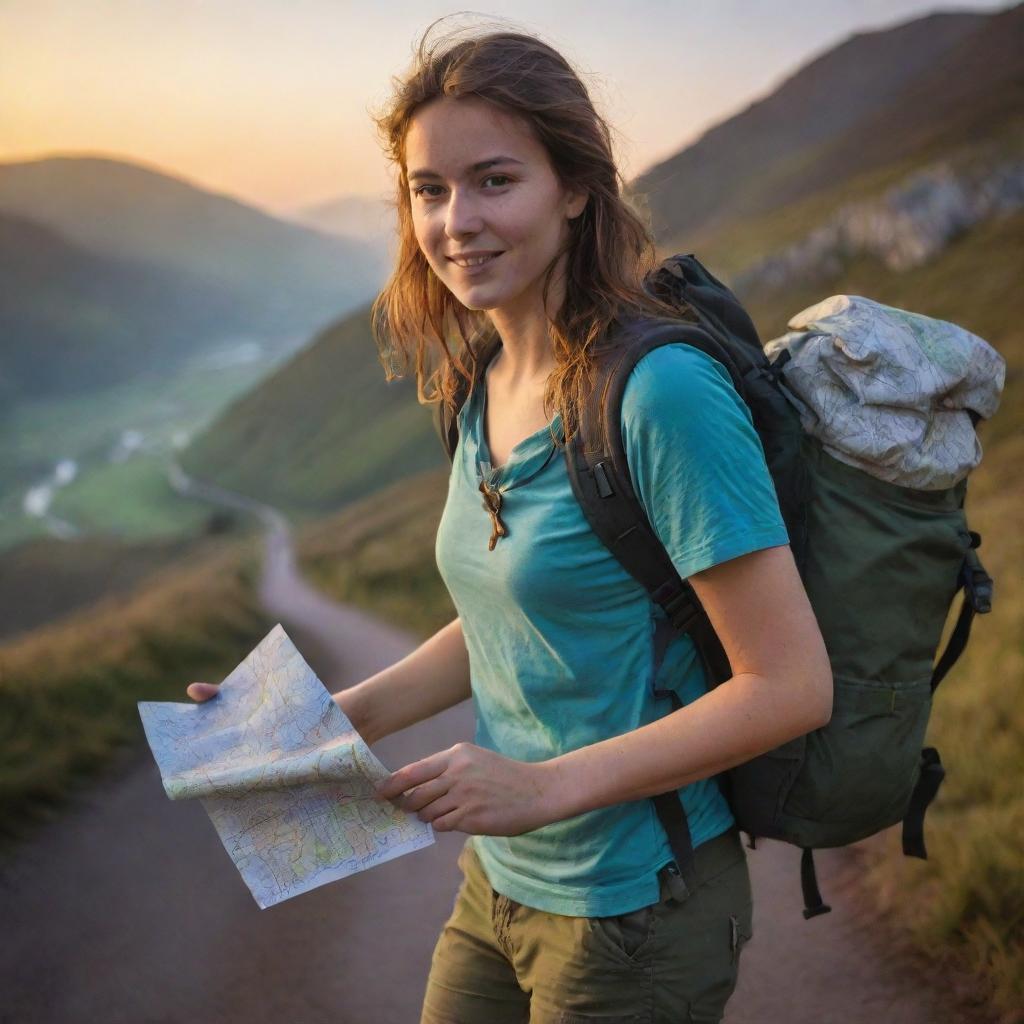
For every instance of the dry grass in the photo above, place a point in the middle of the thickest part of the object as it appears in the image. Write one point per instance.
(68, 691)
(967, 900)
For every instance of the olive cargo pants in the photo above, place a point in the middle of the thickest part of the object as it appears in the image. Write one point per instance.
(499, 962)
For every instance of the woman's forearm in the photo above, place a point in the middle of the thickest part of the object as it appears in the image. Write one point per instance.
(743, 717)
(433, 677)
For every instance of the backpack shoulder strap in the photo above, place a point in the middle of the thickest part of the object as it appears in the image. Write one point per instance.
(600, 477)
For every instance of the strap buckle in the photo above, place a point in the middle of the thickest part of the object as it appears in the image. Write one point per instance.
(678, 603)
(978, 585)
(673, 879)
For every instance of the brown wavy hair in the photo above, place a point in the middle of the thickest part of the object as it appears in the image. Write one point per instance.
(415, 318)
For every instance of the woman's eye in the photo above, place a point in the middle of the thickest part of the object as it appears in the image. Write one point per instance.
(502, 179)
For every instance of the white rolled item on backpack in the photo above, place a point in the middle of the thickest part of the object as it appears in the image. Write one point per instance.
(888, 391)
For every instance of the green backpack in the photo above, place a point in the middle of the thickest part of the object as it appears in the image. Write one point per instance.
(881, 564)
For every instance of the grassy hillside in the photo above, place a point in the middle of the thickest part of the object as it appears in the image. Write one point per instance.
(43, 579)
(379, 554)
(324, 430)
(68, 690)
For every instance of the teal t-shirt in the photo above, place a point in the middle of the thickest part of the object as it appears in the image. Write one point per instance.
(560, 636)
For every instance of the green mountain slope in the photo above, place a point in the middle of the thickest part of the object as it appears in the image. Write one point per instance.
(323, 430)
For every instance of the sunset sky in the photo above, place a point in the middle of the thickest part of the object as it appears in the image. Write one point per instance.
(268, 101)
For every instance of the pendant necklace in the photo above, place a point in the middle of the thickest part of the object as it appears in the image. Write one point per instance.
(492, 503)
(493, 496)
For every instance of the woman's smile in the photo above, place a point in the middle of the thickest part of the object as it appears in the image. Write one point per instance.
(476, 265)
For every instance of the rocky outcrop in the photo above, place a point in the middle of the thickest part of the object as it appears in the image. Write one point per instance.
(906, 226)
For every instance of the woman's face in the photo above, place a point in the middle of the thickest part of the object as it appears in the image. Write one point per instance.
(514, 206)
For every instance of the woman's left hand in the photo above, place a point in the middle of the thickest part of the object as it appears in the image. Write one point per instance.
(470, 789)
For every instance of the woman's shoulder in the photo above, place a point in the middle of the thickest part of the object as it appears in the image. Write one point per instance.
(676, 376)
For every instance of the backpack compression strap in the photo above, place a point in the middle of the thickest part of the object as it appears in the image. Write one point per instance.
(977, 599)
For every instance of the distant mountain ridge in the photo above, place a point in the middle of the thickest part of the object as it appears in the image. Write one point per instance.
(113, 268)
(850, 109)
(368, 219)
(72, 319)
(271, 278)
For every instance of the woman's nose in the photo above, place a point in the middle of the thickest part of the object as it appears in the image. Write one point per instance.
(462, 216)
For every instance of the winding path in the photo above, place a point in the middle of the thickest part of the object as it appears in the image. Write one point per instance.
(127, 909)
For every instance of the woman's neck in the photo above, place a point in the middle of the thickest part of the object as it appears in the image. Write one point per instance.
(526, 357)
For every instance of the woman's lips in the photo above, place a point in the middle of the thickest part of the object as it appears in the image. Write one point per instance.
(479, 267)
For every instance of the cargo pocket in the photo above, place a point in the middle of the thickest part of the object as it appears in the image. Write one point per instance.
(740, 933)
(626, 936)
(727, 926)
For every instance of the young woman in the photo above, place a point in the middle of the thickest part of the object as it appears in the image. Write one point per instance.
(512, 220)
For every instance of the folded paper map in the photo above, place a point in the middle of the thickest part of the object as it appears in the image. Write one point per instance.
(283, 774)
